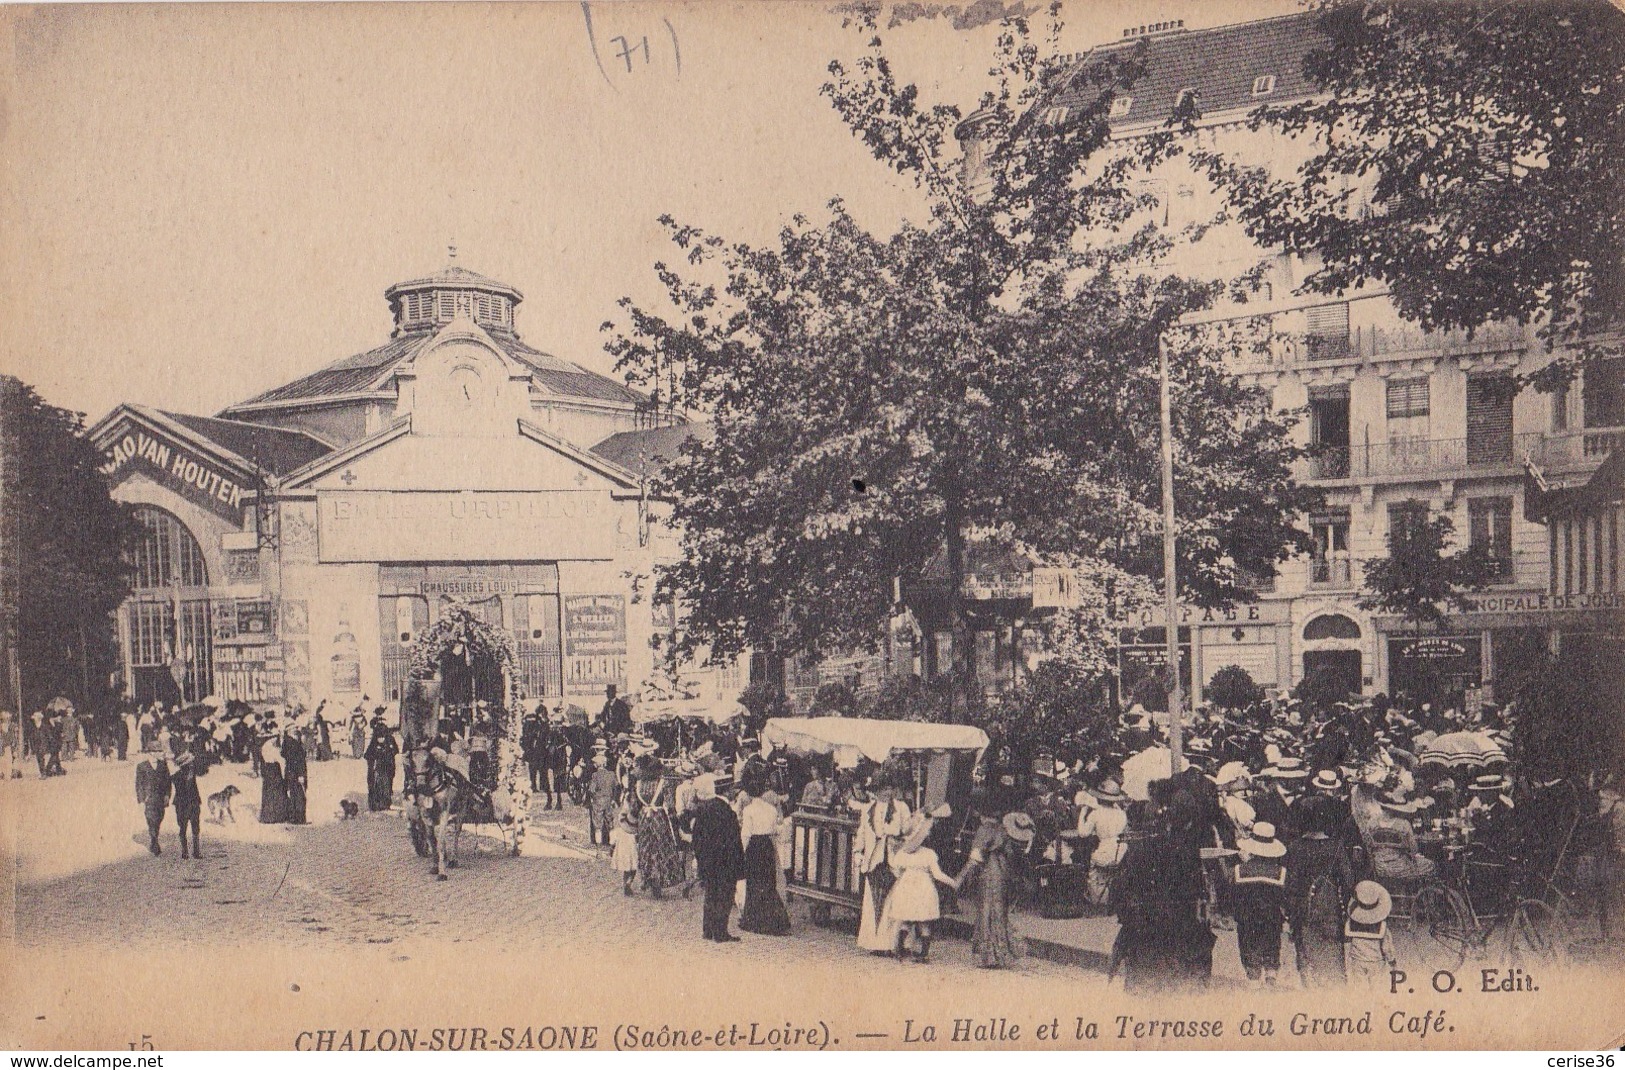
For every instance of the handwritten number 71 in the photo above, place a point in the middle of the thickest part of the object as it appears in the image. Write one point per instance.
(628, 50)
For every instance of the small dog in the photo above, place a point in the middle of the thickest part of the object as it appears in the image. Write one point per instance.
(349, 808)
(220, 805)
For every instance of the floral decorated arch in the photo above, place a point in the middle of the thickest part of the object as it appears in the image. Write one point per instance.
(461, 633)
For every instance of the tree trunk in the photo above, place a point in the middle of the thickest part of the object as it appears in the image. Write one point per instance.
(963, 667)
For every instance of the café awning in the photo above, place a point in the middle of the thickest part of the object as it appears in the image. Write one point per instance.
(850, 737)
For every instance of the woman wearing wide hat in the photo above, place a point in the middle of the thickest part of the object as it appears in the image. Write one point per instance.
(381, 754)
(273, 785)
(1391, 840)
(1258, 902)
(988, 871)
(882, 823)
(764, 911)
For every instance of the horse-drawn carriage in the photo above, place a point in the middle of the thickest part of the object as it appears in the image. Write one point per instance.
(458, 765)
(940, 759)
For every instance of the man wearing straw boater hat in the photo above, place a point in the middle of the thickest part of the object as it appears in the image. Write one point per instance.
(1105, 822)
(1259, 903)
(1325, 809)
(719, 857)
(1283, 783)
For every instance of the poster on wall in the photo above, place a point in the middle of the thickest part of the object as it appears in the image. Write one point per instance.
(594, 642)
(246, 677)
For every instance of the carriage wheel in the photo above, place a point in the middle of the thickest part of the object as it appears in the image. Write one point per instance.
(1538, 934)
(420, 841)
(1443, 922)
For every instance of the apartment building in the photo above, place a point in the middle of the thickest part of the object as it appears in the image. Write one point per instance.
(1403, 423)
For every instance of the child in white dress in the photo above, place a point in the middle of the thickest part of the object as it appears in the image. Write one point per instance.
(913, 903)
(623, 845)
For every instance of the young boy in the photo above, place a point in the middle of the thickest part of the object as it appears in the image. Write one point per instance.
(1367, 954)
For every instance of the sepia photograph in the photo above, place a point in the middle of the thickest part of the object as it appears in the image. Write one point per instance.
(858, 524)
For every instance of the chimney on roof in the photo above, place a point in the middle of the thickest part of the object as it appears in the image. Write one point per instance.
(1155, 29)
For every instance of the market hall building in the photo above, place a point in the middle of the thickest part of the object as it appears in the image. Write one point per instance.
(293, 546)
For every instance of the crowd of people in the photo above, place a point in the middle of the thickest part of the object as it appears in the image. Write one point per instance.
(1287, 824)
(1307, 822)
(59, 732)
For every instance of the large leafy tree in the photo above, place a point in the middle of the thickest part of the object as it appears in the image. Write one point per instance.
(1422, 579)
(881, 399)
(1487, 142)
(65, 544)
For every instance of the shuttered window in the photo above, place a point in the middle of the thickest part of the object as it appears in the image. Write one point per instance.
(1407, 398)
(1489, 419)
(1328, 329)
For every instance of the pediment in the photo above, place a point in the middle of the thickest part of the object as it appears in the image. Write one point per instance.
(525, 458)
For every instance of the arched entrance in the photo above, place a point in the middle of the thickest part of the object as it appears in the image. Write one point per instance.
(1332, 653)
(471, 660)
(167, 628)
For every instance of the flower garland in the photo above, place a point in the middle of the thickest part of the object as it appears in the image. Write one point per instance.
(461, 633)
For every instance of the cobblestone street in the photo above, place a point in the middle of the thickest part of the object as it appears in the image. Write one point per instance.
(85, 878)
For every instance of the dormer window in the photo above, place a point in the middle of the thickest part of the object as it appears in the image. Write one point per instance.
(1263, 85)
(1120, 106)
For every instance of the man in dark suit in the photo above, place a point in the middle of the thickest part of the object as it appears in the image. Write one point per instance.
(719, 857)
(188, 802)
(616, 716)
(152, 791)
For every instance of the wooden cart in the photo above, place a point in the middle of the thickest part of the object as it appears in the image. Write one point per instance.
(823, 845)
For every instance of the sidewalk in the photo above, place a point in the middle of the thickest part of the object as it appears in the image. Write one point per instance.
(1087, 943)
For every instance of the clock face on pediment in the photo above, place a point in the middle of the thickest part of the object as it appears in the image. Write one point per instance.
(459, 388)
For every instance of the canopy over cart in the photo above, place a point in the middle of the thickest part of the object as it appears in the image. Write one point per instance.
(942, 758)
(852, 738)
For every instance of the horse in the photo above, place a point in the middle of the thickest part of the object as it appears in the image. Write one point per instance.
(438, 797)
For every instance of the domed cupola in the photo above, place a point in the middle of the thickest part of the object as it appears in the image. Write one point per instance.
(429, 303)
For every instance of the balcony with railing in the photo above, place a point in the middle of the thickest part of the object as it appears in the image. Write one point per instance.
(1336, 572)
(1283, 341)
(1580, 449)
(1423, 458)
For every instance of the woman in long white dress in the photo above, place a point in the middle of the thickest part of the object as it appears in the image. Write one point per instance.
(882, 823)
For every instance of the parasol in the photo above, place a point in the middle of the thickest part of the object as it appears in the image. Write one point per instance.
(703, 709)
(1463, 749)
(213, 702)
(59, 703)
(1141, 769)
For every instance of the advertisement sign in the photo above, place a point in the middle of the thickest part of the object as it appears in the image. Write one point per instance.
(254, 618)
(176, 466)
(594, 642)
(245, 675)
(465, 526)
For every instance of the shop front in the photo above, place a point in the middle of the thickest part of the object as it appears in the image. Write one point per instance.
(1252, 636)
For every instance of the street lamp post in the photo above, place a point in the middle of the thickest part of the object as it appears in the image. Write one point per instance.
(1170, 586)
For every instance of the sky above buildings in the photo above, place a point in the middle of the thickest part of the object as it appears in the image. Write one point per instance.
(200, 202)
